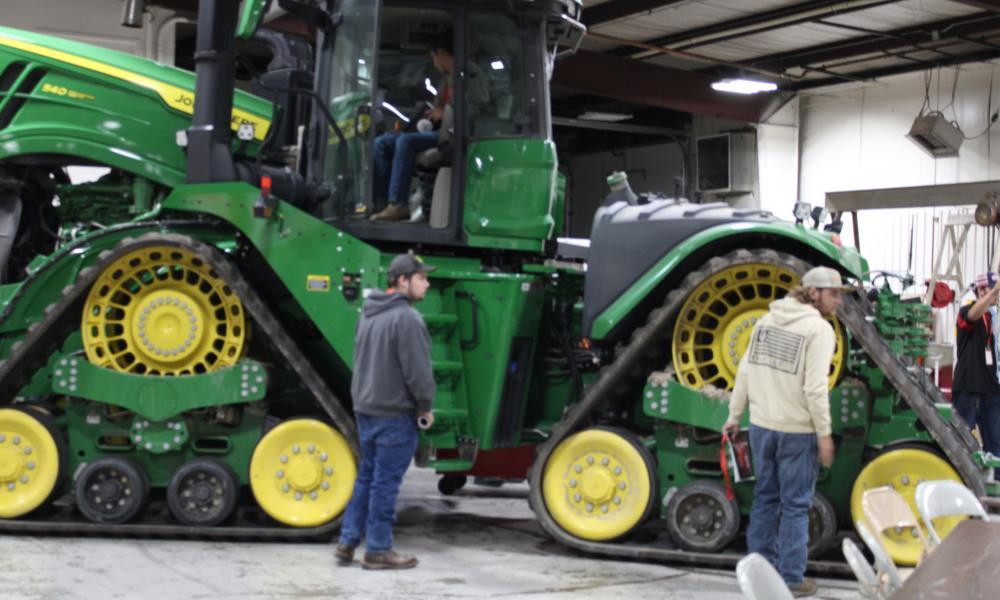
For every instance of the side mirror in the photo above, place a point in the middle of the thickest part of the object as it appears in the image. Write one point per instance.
(250, 16)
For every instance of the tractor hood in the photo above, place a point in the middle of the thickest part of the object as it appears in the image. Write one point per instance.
(103, 105)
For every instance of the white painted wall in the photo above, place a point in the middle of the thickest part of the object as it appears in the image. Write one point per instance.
(96, 22)
(649, 169)
(853, 137)
(778, 161)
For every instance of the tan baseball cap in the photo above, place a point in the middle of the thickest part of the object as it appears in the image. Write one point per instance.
(824, 277)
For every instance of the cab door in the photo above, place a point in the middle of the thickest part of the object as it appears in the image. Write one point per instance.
(349, 69)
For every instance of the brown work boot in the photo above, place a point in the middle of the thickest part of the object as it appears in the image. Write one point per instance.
(806, 588)
(387, 560)
(344, 554)
(393, 212)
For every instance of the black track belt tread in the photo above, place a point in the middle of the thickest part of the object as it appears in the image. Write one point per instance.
(46, 336)
(642, 343)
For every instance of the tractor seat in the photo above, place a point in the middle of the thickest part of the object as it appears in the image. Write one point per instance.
(433, 159)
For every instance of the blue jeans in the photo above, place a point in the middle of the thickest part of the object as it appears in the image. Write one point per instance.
(982, 410)
(394, 157)
(387, 446)
(785, 466)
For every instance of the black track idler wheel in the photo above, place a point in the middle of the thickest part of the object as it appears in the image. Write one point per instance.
(701, 519)
(203, 492)
(822, 525)
(111, 490)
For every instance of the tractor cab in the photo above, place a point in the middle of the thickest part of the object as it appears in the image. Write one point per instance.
(441, 108)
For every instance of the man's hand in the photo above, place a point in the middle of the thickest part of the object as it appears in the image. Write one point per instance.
(826, 451)
(425, 417)
(984, 302)
(730, 429)
(436, 114)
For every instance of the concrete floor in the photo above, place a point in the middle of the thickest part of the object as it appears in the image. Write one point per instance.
(482, 543)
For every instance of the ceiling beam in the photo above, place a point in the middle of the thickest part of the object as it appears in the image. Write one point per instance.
(914, 36)
(973, 57)
(662, 87)
(993, 5)
(755, 23)
(921, 196)
(617, 126)
(616, 9)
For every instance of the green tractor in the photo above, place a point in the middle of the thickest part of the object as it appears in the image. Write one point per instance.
(177, 335)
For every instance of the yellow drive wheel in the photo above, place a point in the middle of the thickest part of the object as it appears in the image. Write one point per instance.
(31, 461)
(162, 311)
(714, 324)
(598, 484)
(903, 469)
(302, 473)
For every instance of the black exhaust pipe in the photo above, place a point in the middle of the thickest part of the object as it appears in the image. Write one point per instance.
(209, 153)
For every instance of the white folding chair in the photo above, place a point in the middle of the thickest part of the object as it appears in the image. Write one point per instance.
(863, 572)
(885, 509)
(890, 579)
(946, 498)
(759, 581)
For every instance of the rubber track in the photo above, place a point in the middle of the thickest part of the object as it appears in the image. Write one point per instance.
(957, 447)
(62, 318)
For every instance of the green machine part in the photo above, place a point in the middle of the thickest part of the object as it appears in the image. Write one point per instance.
(483, 325)
(102, 105)
(867, 417)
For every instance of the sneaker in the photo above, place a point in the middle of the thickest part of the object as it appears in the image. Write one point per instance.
(393, 212)
(344, 554)
(806, 588)
(387, 560)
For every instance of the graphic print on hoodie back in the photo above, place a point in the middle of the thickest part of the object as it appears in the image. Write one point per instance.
(784, 374)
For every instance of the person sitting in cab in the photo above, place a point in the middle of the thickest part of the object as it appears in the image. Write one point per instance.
(395, 153)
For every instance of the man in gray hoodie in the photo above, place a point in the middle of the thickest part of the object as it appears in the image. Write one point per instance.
(392, 386)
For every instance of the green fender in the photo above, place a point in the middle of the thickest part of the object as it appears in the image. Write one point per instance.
(846, 259)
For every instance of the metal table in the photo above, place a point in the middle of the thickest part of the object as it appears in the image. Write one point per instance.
(965, 566)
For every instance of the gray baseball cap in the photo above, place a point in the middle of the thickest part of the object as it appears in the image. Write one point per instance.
(408, 264)
(824, 277)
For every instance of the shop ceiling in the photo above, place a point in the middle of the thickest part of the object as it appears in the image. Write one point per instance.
(656, 59)
(667, 53)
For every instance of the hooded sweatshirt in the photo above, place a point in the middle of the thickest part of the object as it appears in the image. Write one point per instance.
(785, 371)
(392, 359)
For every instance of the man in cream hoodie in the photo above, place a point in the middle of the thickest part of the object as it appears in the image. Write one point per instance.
(784, 377)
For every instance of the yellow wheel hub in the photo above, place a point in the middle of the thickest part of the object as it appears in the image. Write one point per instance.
(597, 485)
(302, 473)
(715, 323)
(903, 469)
(29, 463)
(163, 311)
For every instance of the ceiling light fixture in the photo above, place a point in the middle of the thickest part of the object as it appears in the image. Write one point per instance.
(743, 86)
(609, 117)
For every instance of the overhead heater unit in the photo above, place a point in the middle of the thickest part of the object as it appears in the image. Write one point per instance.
(936, 135)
